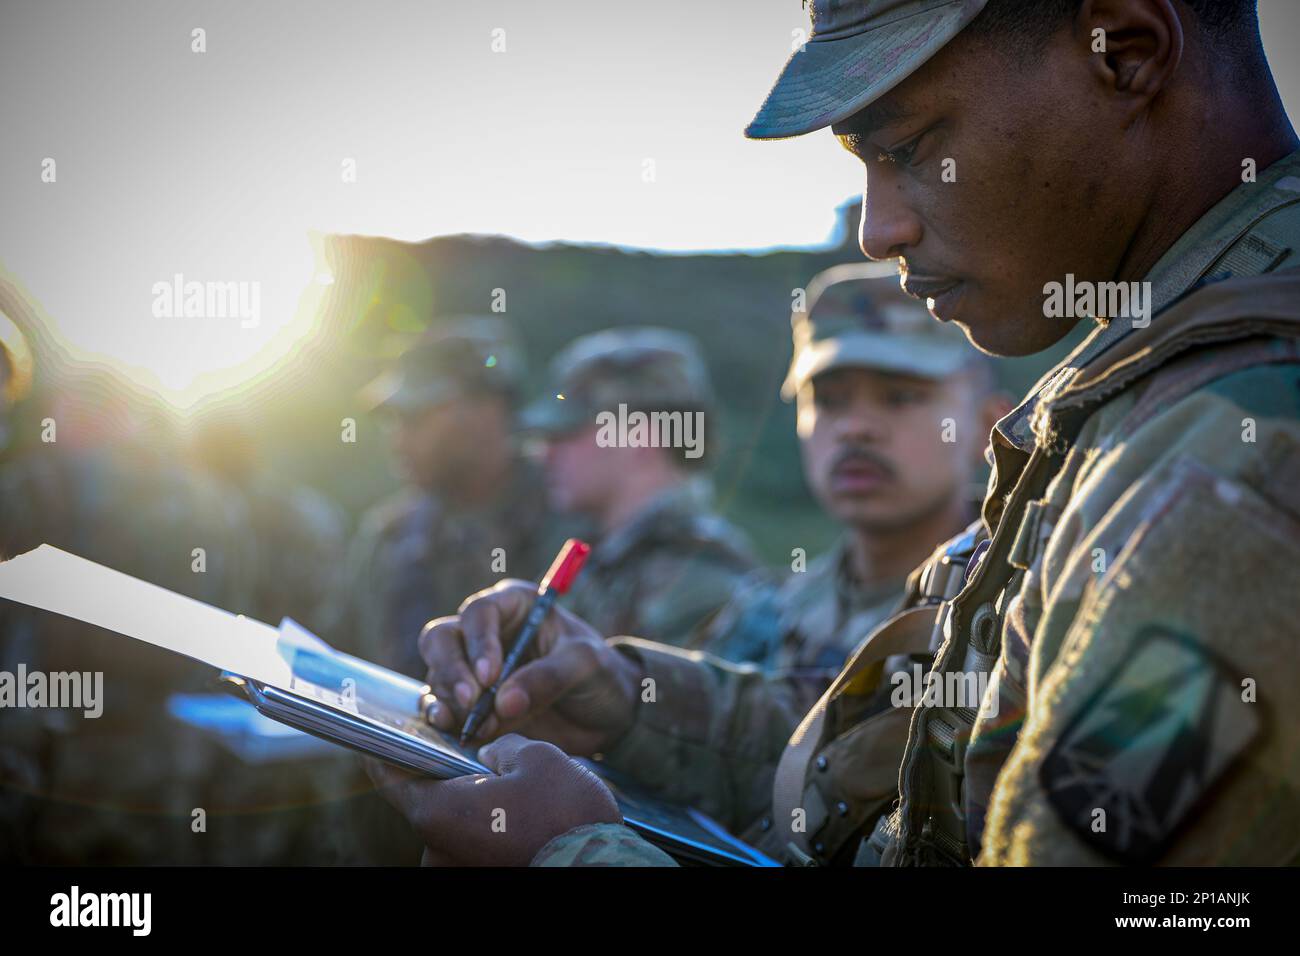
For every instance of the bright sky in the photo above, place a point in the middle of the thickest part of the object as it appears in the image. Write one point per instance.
(217, 165)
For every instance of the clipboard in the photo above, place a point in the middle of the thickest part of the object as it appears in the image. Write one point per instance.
(374, 711)
(294, 677)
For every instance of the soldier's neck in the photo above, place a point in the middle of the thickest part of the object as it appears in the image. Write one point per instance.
(879, 555)
(1204, 165)
(633, 494)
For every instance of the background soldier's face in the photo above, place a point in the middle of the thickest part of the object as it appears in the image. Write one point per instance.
(584, 478)
(579, 473)
(874, 447)
(1046, 179)
(445, 445)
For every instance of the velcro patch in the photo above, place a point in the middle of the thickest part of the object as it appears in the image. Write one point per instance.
(1135, 762)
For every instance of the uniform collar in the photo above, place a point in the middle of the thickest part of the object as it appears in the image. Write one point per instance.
(692, 496)
(854, 595)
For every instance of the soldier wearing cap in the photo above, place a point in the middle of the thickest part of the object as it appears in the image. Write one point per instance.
(470, 511)
(120, 787)
(1125, 607)
(894, 413)
(663, 561)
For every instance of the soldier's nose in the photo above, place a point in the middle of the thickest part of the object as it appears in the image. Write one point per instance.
(888, 228)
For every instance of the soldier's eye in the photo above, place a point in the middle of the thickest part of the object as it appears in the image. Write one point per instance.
(911, 153)
(828, 398)
(899, 155)
(898, 397)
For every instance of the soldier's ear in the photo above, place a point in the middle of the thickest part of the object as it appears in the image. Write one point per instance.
(1133, 46)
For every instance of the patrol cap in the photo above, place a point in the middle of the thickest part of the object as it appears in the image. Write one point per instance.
(458, 355)
(857, 51)
(857, 316)
(643, 367)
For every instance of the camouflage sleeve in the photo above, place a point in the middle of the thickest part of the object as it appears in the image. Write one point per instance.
(1160, 719)
(601, 844)
(708, 734)
(747, 629)
(680, 598)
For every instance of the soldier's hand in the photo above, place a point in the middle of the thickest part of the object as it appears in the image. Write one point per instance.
(537, 795)
(571, 689)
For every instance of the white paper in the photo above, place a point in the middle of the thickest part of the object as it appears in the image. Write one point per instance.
(55, 580)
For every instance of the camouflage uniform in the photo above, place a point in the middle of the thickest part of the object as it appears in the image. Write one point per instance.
(398, 573)
(806, 623)
(1122, 629)
(415, 557)
(120, 788)
(300, 540)
(665, 572)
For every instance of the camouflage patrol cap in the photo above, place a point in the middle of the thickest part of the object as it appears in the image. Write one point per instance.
(643, 367)
(457, 355)
(857, 51)
(857, 316)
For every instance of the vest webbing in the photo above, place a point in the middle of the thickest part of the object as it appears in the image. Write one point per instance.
(932, 815)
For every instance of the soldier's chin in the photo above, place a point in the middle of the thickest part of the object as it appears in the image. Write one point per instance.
(859, 510)
(1010, 333)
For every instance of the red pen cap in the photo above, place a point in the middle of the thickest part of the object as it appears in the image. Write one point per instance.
(566, 567)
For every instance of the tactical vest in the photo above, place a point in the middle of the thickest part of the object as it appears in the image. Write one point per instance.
(931, 826)
(840, 769)
(957, 600)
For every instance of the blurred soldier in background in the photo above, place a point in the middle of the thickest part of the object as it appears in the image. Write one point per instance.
(895, 411)
(663, 562)
(103, 483)
(471, 511)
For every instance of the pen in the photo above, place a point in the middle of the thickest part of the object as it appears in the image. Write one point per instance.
(557, 581)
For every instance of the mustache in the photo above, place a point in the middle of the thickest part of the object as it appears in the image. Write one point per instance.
(858, 455)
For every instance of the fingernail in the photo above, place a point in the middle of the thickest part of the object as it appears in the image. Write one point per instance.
(483, 669)
(463, 693)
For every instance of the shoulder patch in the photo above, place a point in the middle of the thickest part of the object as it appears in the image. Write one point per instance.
(1135, 762)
